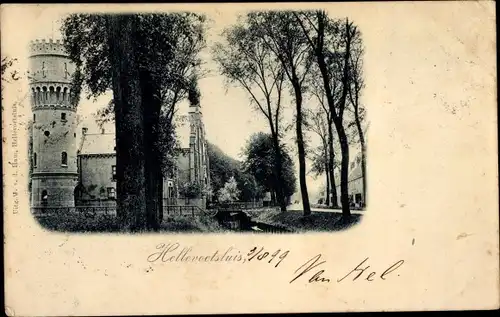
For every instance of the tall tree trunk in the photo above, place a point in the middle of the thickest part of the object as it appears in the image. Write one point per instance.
(337, 118)
(280, 195)
(344, 181)
(129, 121)
(327, 198)
(331, 161)
(160, 199)
(363, 151)
(152, 107)
(335, 197)
(301, 149)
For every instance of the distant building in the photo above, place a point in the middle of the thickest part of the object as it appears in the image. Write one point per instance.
(355, 177)
(65, 173)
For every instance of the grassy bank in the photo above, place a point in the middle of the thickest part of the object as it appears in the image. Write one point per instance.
(100, 223)
(296, 222)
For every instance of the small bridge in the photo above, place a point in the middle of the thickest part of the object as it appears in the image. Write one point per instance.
(233, 217)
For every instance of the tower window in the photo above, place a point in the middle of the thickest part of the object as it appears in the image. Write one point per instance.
(34, 117)
(111, 193)
(38, 95)
(63, 116)
(34, 160)
(64, 159)
(45, 196)
(58, 94)
(47, 133)
(45, 94)
(113, 172)
(43, 69)
(74, 134)
(65, 70)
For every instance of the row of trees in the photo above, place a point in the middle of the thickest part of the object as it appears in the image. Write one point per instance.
(150, 62)
(304, 52)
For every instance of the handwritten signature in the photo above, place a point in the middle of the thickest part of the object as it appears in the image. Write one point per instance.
(314, 270)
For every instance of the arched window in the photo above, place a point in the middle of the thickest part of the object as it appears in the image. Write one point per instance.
(65, 70)
(52, 94)
(43, 70)
(34, 160)
(33, 95)
(45, 94)
(34, 117)
(63, 116)
(58, 94)
(64, 159)
(38, 95)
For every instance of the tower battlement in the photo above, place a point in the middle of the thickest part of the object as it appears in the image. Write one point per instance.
(44, 47)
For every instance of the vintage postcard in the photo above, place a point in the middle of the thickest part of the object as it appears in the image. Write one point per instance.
(249, 158)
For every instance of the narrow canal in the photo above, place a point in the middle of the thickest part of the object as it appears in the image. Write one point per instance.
(239, 220)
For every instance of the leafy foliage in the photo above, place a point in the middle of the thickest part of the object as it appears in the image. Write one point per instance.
(229, 192)
(191, 190)
(223, 167)
(259, 161)
(168, 49)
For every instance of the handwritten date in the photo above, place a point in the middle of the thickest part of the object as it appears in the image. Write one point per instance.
(261, 255)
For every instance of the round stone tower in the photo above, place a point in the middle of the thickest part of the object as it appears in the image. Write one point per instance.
(54, 176)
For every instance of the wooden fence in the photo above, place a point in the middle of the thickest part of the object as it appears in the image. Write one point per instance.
(110, 211)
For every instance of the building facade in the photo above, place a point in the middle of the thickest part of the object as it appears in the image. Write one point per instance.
(355, 177)
(192, 168)
(67, 174)
(96, 169)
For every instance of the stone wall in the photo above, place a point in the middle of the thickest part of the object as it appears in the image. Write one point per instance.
(59, 190)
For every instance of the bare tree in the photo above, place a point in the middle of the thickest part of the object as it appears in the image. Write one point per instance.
(356, 87)
(245, 61)
(318, 124)
(331, 42)
(319, 92)
(281, 34)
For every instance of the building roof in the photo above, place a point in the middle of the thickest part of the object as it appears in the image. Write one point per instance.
(98, 143)
(104, 143)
